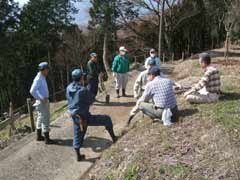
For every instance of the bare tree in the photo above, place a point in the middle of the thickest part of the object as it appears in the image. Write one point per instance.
(230, 20)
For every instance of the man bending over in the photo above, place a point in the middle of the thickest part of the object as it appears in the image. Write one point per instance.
(160, 90)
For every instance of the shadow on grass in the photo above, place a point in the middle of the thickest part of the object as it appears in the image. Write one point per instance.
(113, 104)
(187, 112)
(97, 144)
(226, 96)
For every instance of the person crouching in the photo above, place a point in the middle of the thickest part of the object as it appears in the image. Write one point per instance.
(79, 101)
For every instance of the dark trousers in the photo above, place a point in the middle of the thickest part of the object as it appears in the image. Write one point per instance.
(93, 86)
(93, 120)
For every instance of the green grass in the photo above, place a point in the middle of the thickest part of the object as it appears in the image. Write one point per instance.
(132, 172)
(167, 146)
(179, 171)
(227, 110)
(110, 177)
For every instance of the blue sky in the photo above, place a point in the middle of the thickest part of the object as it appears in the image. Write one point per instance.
(81, 18)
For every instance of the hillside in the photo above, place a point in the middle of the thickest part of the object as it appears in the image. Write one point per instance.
(203, 145)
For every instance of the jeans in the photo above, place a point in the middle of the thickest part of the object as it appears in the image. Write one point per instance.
(92, 120)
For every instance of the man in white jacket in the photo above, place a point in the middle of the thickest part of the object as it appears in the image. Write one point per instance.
(142, 80)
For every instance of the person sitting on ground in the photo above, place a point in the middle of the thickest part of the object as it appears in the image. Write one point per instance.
(120, 70)
(153, 56)
(164, 105)
(142, 80)
(207, 90)
(79, 101)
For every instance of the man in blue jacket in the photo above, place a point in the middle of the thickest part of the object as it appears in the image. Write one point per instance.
(79, 101)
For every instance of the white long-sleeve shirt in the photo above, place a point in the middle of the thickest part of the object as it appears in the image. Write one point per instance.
(140, 84)
(39, 88)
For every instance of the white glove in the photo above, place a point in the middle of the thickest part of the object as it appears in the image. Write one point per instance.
(136, 96)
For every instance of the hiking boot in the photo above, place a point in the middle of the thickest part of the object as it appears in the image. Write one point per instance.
(130, 119)
(47, 139)
(80, 157)
(124, 93)
(117, 91)
(112, 134)
(39, 135)
(114, 139)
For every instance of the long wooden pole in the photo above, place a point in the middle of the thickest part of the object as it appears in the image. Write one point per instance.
(161, 13)
(30, 111)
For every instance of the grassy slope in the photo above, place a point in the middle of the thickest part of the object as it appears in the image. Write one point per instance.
(203, 145)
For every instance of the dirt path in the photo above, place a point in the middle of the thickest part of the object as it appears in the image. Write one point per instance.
(31, 160)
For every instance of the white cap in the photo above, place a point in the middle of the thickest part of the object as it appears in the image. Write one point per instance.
(122, 48)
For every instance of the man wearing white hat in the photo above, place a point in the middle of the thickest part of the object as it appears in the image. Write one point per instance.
(154, 57)
(120, 70)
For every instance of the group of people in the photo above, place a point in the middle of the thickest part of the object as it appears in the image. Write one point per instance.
(153, 90)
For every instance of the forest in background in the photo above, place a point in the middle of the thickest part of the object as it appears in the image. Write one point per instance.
(45, 31)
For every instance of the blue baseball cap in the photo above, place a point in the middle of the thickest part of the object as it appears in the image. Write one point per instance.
(77, 73)
(93, 54)
(154, 71)
(151, 62)
(43, 65)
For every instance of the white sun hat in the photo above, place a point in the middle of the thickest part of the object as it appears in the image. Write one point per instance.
(122, 48)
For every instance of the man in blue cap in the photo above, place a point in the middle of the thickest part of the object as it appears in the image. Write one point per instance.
(142, 80)
(160, 91)
(79, 101)
(39, 90)
(93, 73)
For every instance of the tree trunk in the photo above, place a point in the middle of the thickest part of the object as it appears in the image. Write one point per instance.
(51, 76)
(161, 13)
(227, 46)
(105, 47)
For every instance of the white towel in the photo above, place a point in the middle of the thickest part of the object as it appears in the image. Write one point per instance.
(166, 117)
(37, 102)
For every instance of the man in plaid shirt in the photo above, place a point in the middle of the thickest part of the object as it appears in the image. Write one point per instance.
(160, 90)
(207, 90)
